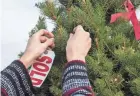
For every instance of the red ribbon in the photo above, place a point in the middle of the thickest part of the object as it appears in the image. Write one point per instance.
(129, 15)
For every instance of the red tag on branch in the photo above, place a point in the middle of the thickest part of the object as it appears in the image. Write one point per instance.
(129, 15)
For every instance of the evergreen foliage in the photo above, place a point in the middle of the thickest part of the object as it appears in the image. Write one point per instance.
(114, 60)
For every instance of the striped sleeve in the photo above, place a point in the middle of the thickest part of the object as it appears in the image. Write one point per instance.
(75, 80)
(15, 80)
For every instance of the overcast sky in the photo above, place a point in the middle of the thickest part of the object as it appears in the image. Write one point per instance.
(0, 30)
(18, 18)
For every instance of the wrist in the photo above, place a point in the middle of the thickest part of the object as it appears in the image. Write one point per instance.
(76, 58)
(26, 60)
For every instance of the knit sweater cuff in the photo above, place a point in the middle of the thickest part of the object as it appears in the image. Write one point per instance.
(75, 79)
(73, 62)
(17, 75)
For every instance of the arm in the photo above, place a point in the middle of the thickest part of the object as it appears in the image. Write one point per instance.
(15, 80)
(75, 79)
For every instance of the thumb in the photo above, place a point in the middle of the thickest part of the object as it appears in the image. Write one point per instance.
(49, 42)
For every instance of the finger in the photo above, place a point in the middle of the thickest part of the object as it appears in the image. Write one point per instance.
(71, 35)
(40, 32)
(49, 48)
(74, 29)
(79, 29)
(49, 34)
(89, 42)
(44, 32)
(48, 43)
(87, 34)
(52, 46)
(43, 39)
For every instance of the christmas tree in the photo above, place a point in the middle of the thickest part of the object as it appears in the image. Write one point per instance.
(113, 62)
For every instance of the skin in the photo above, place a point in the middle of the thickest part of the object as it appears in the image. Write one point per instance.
(37, 45)
(77, 48)
(78, 44)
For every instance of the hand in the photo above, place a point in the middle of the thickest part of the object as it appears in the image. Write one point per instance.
(36, 46)
(78, 44)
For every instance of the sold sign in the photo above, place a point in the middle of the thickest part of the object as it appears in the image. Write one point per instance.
(41, 68)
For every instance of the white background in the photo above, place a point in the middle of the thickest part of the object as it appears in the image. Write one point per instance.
(0, 32)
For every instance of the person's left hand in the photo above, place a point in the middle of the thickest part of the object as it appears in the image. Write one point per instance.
(36, 46)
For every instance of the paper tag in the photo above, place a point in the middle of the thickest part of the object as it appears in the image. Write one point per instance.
(40, 69)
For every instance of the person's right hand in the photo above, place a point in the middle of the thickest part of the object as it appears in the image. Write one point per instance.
(78, 44)
(37, 44)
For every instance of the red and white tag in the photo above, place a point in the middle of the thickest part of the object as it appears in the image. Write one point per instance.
(40, 69)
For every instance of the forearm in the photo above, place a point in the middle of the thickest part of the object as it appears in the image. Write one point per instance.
(15, 80)
(75, 80)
